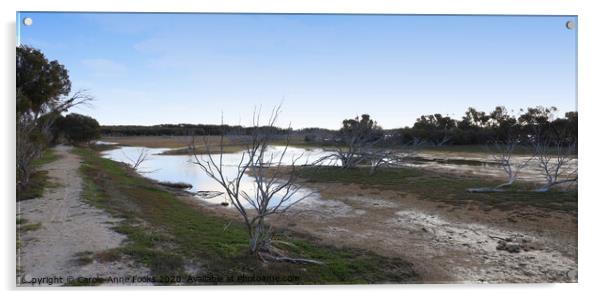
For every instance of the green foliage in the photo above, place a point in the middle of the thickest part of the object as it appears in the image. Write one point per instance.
(40, 98)
(362, 129)
(40, 82)
(479, 127)
(78, 128)
(48, 156)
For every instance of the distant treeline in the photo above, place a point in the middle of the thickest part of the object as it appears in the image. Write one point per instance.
(475, 127)
(199, 129)
(478, 127)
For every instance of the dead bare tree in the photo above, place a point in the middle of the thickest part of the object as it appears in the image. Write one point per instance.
(503, 155)
(140, 158)
(355, 138)
(443, 139)
(379, 158)
(274, 186)
(554, 159)
(382, 157)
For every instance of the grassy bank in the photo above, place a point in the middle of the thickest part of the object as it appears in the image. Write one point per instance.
(39, 178)
(522, 150)
(176, 239)
(450, 189)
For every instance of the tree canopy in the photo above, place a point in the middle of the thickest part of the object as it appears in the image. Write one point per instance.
(40, 83)
(78, 128)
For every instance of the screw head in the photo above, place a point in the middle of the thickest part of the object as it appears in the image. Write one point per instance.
(27, 21)
(570, 25)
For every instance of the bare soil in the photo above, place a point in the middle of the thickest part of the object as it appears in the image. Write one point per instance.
(445, 243)
(69, 233)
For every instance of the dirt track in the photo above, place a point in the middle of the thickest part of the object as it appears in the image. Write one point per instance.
(68, 228)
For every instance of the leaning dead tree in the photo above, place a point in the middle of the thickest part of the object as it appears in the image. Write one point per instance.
(275, 187)
(382, 158)
(140, 158)
(554, 160)
(503, 155)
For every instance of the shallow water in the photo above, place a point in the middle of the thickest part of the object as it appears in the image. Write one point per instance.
(482, 164)
(181, 168)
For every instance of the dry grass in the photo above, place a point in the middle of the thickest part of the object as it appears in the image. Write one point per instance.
(180, 145)
(156, 141)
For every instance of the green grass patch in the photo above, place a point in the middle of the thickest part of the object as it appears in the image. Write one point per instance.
(166, 235)
(30, 227)
(450, 189)
(48, 156)
(360, 175)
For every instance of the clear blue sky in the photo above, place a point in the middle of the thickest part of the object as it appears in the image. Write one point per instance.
(187, 68)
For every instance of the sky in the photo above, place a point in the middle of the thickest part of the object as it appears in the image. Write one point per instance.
(146, 69)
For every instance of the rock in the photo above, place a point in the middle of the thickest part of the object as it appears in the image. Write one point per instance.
(512, 247)
(501, 245)
(208, 194)
(176, 185)
(572, 274)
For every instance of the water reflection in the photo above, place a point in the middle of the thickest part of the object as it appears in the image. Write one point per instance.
(181, 168)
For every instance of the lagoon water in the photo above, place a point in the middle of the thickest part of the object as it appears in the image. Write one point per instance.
(181, 168)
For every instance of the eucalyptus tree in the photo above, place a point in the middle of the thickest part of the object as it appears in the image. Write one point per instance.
(43, 92)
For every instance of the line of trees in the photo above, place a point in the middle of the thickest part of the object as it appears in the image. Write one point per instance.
(474, 128)
(479, 127)
(186, 130)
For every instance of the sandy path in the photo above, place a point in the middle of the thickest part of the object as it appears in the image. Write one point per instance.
(68, 228)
